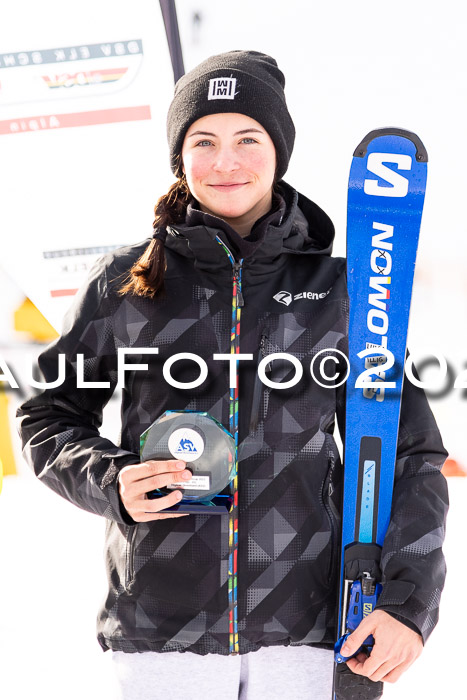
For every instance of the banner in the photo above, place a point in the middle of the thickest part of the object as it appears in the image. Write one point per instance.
(82, 136)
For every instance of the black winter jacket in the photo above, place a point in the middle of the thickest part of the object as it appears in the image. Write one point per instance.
(168, 579)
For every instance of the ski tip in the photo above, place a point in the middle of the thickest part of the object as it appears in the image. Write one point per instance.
(421, 155)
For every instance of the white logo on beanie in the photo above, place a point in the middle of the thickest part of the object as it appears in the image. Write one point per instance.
(222, 88)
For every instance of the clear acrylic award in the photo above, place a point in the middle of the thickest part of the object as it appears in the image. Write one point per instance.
(208, 449)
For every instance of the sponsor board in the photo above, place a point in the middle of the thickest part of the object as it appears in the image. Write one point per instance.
(82, 124)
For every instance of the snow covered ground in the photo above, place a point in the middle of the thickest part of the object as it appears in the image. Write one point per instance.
(52, 581)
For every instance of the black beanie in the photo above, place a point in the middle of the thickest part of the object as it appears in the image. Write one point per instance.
(246, 82)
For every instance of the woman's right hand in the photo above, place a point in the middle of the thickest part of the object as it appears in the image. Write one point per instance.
(136, 480)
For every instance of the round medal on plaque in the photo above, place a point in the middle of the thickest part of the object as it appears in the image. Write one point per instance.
(199, 440)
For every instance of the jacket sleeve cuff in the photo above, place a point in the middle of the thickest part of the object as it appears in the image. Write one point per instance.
(397, 600)
(109, 484)
(408, 623)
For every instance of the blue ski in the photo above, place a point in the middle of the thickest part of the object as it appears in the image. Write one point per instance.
(385, 204)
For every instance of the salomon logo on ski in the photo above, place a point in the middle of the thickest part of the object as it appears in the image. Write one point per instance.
(378, 298)
(398, 185)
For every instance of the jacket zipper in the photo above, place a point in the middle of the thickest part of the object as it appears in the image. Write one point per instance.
(130, 569)
(237, 281)
(257, 389)
(237, 303)
(327, 493)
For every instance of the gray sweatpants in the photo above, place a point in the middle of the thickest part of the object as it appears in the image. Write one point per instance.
(298, 673)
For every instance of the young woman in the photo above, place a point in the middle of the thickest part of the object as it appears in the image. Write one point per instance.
(234, 249)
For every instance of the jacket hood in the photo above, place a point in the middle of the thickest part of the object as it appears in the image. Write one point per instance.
(295, 225)
(309, 228)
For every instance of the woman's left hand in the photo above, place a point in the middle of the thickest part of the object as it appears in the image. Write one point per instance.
(396, 648)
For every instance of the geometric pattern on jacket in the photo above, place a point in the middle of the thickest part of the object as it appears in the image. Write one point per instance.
(168, 579)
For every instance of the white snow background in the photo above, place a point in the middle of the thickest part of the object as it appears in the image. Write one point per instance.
(350, 67)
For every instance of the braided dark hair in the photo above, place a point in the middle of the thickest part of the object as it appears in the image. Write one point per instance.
(146, 277)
